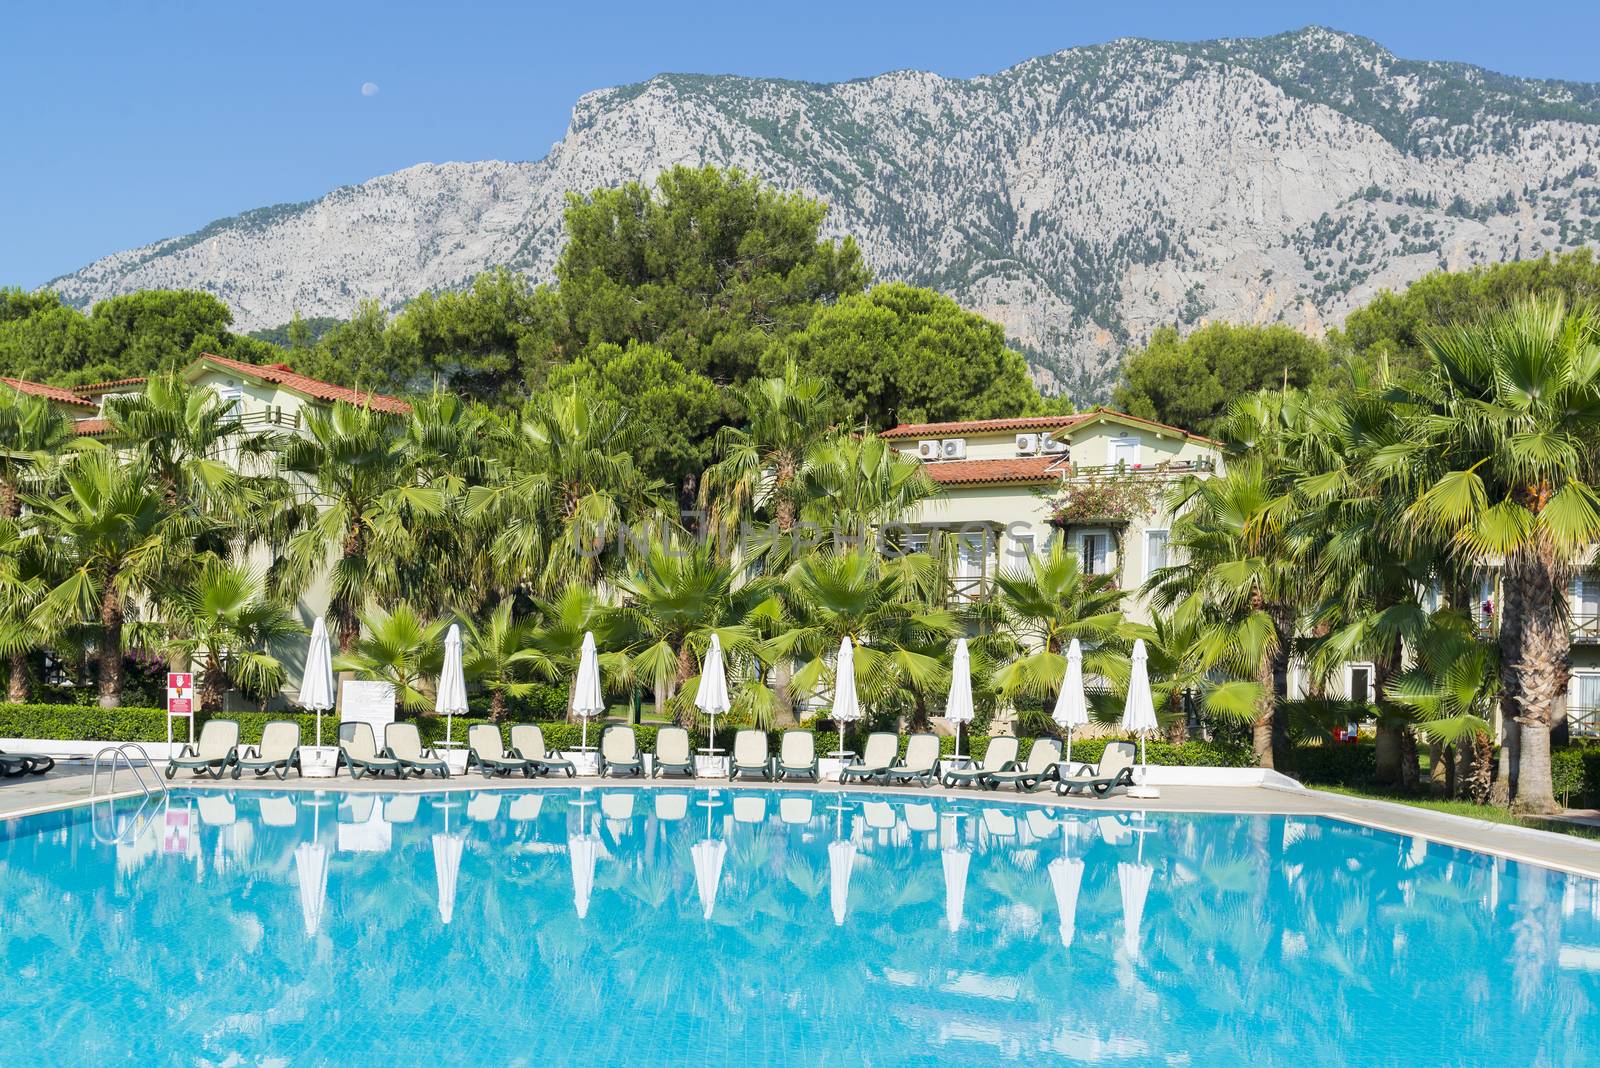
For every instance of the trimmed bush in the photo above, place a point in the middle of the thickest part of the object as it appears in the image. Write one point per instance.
(89, 723)
(1334, 763)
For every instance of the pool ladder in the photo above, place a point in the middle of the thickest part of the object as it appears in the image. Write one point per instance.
(108, 830)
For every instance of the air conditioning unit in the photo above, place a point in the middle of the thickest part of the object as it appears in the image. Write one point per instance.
(1027, 444)
(1048, 444)
(928, 450)
(953, 448)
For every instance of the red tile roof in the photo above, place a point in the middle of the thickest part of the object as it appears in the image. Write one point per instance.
(39, 389)
(283, 375)
(99, 387)
(1035, 422)
(972, 472)
(984, 426)
(90, 427)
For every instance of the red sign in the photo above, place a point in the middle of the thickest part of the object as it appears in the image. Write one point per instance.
(175, 835)
(180, 693)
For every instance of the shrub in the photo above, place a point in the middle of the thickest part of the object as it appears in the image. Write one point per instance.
(1575, 771)
(1334, 763)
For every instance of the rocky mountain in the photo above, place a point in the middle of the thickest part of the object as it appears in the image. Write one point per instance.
(1082, 198)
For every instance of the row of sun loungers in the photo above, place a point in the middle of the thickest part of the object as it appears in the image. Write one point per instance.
(217, 751)
(14, 764)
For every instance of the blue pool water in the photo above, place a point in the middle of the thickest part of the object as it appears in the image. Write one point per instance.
(647, 927)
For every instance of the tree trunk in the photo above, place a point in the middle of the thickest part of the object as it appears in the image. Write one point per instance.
(782, 700)
(1439, 776)
(1510, 643)
(497, 704)
(1540, 668)
(1386, 750)
(1389, 747)
(1409, 772)
(110, 646)
(17, 683)
(10, 503)
(213, 684)
(1479, 785)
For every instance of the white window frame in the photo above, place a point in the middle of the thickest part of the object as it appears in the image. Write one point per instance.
(1125, 440)
(1350, 670)
(1021, 548)
(1107, 559)
(1166, 534)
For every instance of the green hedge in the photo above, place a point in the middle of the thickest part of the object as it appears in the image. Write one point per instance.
(81, 723)
(1334, 763)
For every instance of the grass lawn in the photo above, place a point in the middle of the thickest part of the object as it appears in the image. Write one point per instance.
(1491, 813)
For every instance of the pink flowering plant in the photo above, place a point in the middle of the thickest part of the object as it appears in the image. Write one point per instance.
(1103, 498)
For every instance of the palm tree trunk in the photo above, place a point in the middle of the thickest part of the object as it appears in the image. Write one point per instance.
(17, 683)
(213, 684)
(1261, 731)
(497, 705)
(782, 700)
(1389, 746)
(1510, 643)
(110, 646)
(1540, 667)
(1409, 771)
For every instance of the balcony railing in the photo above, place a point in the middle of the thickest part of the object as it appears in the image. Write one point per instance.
(1585, 628)
(1583, 722)
(1165, 469)
(270, 418)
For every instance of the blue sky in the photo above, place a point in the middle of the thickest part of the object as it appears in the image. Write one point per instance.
(132, 121)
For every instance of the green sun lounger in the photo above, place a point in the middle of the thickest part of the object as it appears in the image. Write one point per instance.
(673, 755)
(487, 750)
(619, 753)
(797, 756)
(278, 752)
(527, 741)
(876, 759)
(921, 762)
(358, 751)
(1039, 769)
(1115, 769)
(213, 754)
(403, 742)
(14, 764)
(750, 755)
(1000, 756)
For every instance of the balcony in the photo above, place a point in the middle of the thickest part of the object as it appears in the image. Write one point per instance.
(1585, 628)
(1165, 469)
(1583, 722)
(264, 419)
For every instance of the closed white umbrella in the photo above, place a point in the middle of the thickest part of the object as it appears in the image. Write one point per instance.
(587, 700)
(316, 684)
(451, 700)
(712, 696)
(956, 862)
(1072, 708)
(1139, 711)
(1066, 878)
(311, 869)
(846, 705)
(958, 706)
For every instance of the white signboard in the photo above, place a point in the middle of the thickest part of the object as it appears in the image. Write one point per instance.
(368, 702)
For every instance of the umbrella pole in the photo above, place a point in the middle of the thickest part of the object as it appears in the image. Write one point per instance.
(1144, 771)
(319, 728)
(584, 744)
(449, 721)
(711, 739)
(958, 739)
(1069, 744)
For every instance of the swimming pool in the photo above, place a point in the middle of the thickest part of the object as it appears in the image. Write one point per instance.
(660, 927)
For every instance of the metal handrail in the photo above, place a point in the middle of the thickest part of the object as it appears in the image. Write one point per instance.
(123, 753)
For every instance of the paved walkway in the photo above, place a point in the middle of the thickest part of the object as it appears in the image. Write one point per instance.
(70, 785)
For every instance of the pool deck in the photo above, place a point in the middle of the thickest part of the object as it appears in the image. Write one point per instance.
(70, 785)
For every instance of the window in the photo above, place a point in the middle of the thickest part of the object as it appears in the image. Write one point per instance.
(970, 557)
(1124, 451)
(1155, 551)
(1360, 684)
(1094, 551)
(1021, 547)
(1583, 704)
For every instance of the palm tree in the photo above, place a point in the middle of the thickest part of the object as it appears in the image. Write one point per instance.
(224, 618)
(761, 464)
(1038, 608)
(557, 638)
(901, 642)
(107, 538)
(499, 655)
(570, 492)
(857, 482)
(1239, 579)
(21, 586)
(398, 647)
(1498, 461)
(1451, 688)
(32, 434)
(364, 508)
(678, 596)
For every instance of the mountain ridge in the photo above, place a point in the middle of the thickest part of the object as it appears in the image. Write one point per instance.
(1082, 198)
